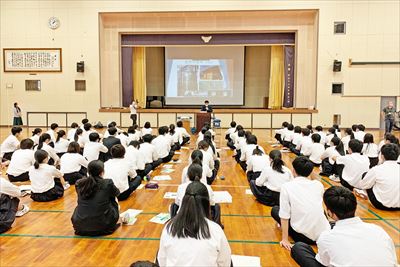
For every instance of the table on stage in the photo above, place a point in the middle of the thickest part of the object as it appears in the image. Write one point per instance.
(201, 118)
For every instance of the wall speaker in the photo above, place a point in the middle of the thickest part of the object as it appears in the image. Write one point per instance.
(337, 88)
(80, 66)
(337, 65)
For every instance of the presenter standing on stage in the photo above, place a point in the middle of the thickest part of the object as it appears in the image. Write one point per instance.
(133, 107)
(206, 107)
(388, 114)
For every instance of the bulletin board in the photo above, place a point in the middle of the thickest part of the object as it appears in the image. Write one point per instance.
(32, 60)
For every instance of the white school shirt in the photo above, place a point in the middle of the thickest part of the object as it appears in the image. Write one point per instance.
(301, 202)
(134, 156)
(118, 170)
(305, 145)
(328, 139)
(211, 252)
(281, 131)
(359, 135)
(316, 151)
(124, 139)
(208, 159)
(20, 162)
(329, 153)
(71, 134)
(17, 112)
(182, 131)
(72, 162)
(355, 165)
(338, 133)
(257, 163)
(149, 152)
(52, 135)
(182, 190)
(384, 179)
(296, 138)
(206, 173)
(10, 144)
(52, 153)
(85, 136)
(234, 136)
(61, 146)
(288, 136)
(345, 140)
(240, 143)
(7, 188)
(230, 131)
(274, 180)
(370, 150)
(247, 151)
(35, 139)
(133, 108)
(146, 131)
(200, 138)
(177, 137)
(353, 242)
(42, 179)
(92, 150)
(162, 146)
(323, 137)
(134, 137)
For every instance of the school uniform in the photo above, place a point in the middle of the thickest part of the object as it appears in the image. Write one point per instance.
(109, 142)
(52, 134)
(44, 182)
(21, 161)
(228, 138)
(206, 173)
(328, 164)
(135, 157)
(9, 145)
(200, 138)
(383, 185)
(246, 153)
(359, 135)
(323, 137)
(85, 136)
(240, 143)
(255, 165)
(381, 144)
(61, 146)
(215, 251)
(267, 187)
(315, 152)
(71, 134)
(280, 133)
(54, 158)
(184, 133)
(99, 214)
(150, 157)
(288, 138)
(345, 140)
(73, 166)
(329, 139)
(354, 166)
(304, 146)
(146, 131)
(35, 139)
(134, 136)
(338, 134)
(92, 150)
(163, 148)
(372, 152)
(124, 176)
(9, 201)
(351, 242)
(124, 139)
(300, 202)
(295, 141)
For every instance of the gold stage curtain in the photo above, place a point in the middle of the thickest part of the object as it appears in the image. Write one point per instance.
(276, 79)
(139, 75)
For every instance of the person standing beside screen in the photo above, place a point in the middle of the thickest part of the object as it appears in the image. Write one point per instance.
(17, 115)
(388, 114)
(133, 107)
(206, 107)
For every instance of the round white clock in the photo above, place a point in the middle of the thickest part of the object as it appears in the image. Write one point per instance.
(54, 23)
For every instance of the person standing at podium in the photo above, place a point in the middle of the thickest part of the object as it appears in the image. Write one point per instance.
(206, 107)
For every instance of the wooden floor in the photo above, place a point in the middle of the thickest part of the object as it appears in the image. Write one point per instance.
(45, 237)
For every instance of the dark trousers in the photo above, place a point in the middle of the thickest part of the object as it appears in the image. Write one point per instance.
(297, 237)
(295, 151)
(168, 158)
(17, 121)
(278, 137)
(252, 175)
(147, 169)
(134, 119)
(376, 203)
(185, 140)
(238, 155)
(156, 163)
(264, 195)
(389, 125)
(304, 255)
(72, 177)
(339, 169)
(8, 155)
(176, 146)
(243, 164)
(20, 178)
(133, 184)
(54, 193)
(327, 168)
(286, 144)
(8, 209)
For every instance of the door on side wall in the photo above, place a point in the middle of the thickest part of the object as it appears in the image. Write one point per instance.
(384, 103)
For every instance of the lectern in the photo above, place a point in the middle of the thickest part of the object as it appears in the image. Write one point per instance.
(201, 118)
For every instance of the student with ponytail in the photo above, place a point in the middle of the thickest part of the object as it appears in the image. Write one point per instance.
(266, 188)
(73, 165)
(208, 137)
(47, 182)
(62, 143)
(257, 162)
(78, 137)
(197, 157)
(328, 165)
(36, 135)
(44, 144)
(247, 151)
(208, 160)
(97, 212)
(371, 150)
(191, 238)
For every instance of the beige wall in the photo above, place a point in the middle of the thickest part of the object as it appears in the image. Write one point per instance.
(373, 33)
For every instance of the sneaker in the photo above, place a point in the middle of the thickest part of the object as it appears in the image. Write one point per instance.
(360, 193)
(334, 178)
(66, 186)
(25, 210)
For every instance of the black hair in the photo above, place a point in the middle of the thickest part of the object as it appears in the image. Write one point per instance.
(258, 151)
(40, 156)
(297, 129)
(392, 139)
(135, 144)
(60, 134)
(206, 101)
(36, 131)
(87, 186)
(161, 130)
(42, 139)
(341, 201)
(94, 137)
(276, 160)
(241, 133)
(319, 128)
(316, 138)
(338, 145)
(305, 131)
(251, 140)
(112, 124)
(361, 127)
(179, 124)
(190, 222)
(368, 138)
(74, 125)
(290, 127)
(303, 166)
(332, 131)
(87, 126)
(195, 171)
(15, 130)
(390, 151)
(203, 145)
(172, 129)
(239, 127)
(147, 138)
(73, 147)
(204, 130)
(354, 127)
(309, 127)
(112, 130)
(233, 124)
(197, 157)
(117, 151)
(336, 127)
(285, 124)
(84, 121)
(356, 146)
(53, 126)
(350, 132)
(131, 130)
(147, 125)
(208, 139)
(27, 143)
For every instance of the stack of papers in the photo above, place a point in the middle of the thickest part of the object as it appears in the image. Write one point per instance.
(162, 178)
(166, 171)
(245, 261)
(222, 197)
(161, 218)
(167, 166)
(178, 153)
(170, 195)
(248, 192)
(129, 216)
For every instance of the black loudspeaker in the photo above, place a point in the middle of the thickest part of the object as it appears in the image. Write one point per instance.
(80, 66)
(337, 65)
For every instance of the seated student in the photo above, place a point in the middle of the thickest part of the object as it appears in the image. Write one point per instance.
(234, 135)
(296, 139)
(267, 187)
(124, 137)
(240, 143)
(133, 133)
(10, 205)
(97, 212)
(288, 138)
(371, 150)
(111, 125)
(87, 130)
(256, 163)
(247, 151)
(213, 151)
(349, 135)
(331, 133)
(200, 135)
(353, 166)
(47, 182)
(228, 133)
(109, 142)
(337, 130)
(44, 144)
(36, 135)
(183, 132)
(84, 121)
(319, 130)
(328, 164)
(309, 127)
(21, 161)
(163, 145)
(300, 212)
(194, 173)
(175, 137)
(388, 139)
(53, 132)
(197, 156)
(146, 128)
(62, 143)
(121, 171)
(304, 144)
(11, 143)
(208, 159)
(73, 165)
(78, 137)
(316, 150)
(150, 154)
(359, 133)
(208, 126)
(279, 134)
(383, 181)
(71, 132)
(134, 156)
(93, 148)
(351, 242)
(191, 238)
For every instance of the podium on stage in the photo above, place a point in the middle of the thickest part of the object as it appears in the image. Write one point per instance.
(201, 118)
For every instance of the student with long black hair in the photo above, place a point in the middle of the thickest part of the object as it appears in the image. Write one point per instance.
(371, 150)
(78, 137)
(62, 143)
(328, 165)
(147, 128)
(256, 164)
(71, 132)
(21, 161)
(191, 238)
(73, 164)
(133, 133)
(44, 144)
(97, 212)
(36, 135)
(266, 188)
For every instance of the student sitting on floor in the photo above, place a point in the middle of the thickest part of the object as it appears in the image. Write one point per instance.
(351, 242)
(280, 133)
(72, 164)
(53, 132)
(147, 129)
(328, 164)
(78, 137)
(383, 181)
(61, 144)
(72, 131)
(371, 150)
(234, 136)
(231, 130)
(109, 142)
(208, 160)
(359, 132)
(11, 143)
(266, 188)
(122, 172)
(93, 148)
(331, 133)
(389, 139)
(175, 136)
(196, 156)
(353, 166)
(47, 182)
(213, 152)
(21, 161)
(247, 151)
(135, 157)
(300, 212)
(10, 204)
(288, 137)
(319, 130)
(134, 134)
(36, 133)
(349, 135)
(44, 144)
(256, 164)
(163, 145)
(337, 130)
(309, 127)
(316, 150)
(87, 130)
(194, 173)
(183, 132)
(124, 138)
(84, 121)
(191, 238)
(239, 144)
(97, 212)
(149, 153)
(296, 139)
(304, 144)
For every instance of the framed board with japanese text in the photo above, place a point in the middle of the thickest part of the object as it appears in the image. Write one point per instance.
(32, 59)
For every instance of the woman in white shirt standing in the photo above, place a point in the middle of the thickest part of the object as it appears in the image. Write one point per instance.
(62, 143)
(257, 162)
(21, 161)
(72, 164)
(47, 182)
(370, 149)
(133, 109)
(191, 238)
(44, 144)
